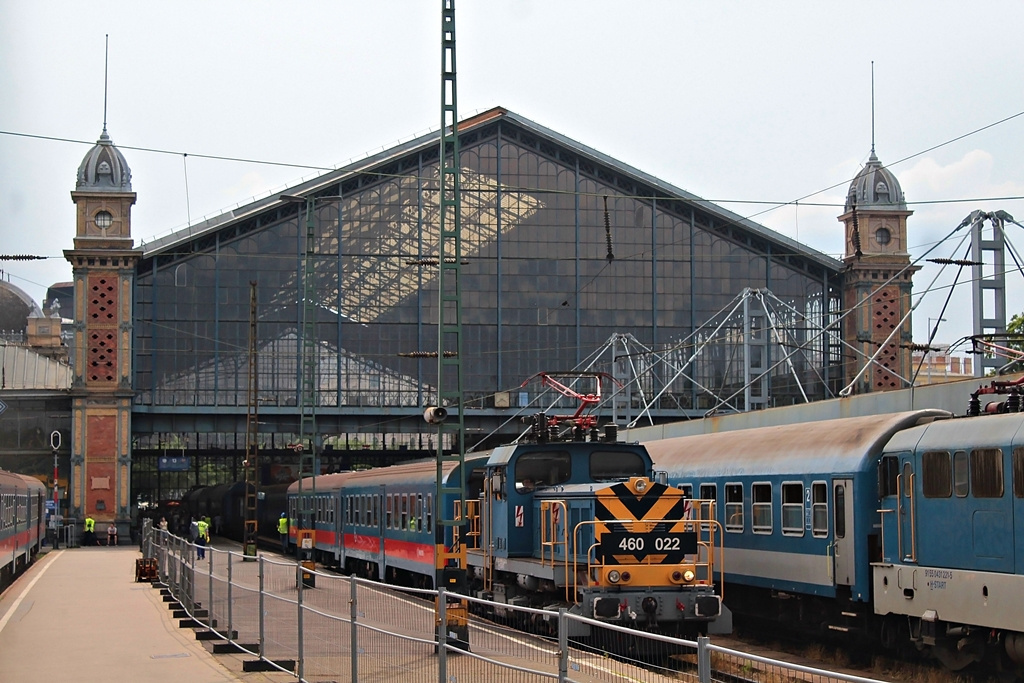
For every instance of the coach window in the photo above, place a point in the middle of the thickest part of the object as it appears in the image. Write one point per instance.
(936, 474)
(405, 511)
(961, 474)
(387, 514)
(430, 513)
(819, 509)
(987, 473)
(793, 509)
(1018, 472)
(375, 517)
(709, 491)
(734, 507)
(761, 508)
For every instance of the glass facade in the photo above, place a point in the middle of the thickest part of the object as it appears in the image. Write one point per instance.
(550, 276)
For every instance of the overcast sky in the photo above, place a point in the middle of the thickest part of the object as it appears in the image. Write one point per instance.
(733, 101)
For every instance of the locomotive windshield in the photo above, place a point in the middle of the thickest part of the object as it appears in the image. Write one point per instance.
(542, 468)
(616, 465)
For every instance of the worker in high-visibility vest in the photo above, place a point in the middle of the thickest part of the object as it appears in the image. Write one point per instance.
(89, 537)
(202, 539)
(282, 528)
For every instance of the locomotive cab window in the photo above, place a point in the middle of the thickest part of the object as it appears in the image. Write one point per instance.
(542, 468)
(616, 466)
(734, 507)
(793, 509)
(761, 508)
(819, 509)
(888, 472)
(1018, 472)
(987, 472)
(961, 475)
(937, 474)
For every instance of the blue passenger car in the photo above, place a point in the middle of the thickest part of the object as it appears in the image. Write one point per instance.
(798, 504)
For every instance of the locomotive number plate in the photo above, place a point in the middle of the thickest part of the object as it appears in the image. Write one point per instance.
(673, 546)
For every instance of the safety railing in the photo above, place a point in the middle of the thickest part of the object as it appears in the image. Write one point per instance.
(344, 628)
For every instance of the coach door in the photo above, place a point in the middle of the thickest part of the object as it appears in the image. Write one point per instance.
(844, 561)
(383, 522)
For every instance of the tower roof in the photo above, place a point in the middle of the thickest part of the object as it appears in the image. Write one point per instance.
(104, 168)
(875, 187)
(15, 307)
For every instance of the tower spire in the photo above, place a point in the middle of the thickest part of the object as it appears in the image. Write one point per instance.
(872, 108)
(106, 61)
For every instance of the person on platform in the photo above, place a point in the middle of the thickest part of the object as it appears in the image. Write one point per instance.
(89, 537)
(112, 534)
(282, 529)
(202, 538)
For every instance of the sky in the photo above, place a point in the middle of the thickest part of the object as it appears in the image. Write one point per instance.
(752, 105)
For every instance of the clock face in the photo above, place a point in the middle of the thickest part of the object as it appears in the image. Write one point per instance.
(103, 220)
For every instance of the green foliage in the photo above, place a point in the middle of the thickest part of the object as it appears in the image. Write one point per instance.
(1015, 328)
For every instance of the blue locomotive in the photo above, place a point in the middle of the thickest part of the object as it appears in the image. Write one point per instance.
(579, 523)
(907, 529)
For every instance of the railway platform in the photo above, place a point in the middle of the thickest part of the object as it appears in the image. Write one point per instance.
(79, 615)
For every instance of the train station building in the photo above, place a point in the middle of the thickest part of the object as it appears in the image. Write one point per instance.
(572, 262)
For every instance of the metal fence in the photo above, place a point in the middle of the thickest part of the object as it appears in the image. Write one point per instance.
(321, 626)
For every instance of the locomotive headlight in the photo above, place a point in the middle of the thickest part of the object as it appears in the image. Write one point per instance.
(688, 575)
(641, 485)
(613, 576)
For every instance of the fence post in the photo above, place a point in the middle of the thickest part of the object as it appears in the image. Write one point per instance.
(209, 607)
(703, 659)
(230, 611)
(298, 602)
(191, 580)
(262, 648)
(354, 636)
(441, 633)
(563, 646)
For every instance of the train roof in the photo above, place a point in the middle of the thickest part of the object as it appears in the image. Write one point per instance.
(983, 431)
(502, 455)
(18, 480)
(421, 470)
(840, 445)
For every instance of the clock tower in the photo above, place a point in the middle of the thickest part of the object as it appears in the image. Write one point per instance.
(877, 281)
(103, 264)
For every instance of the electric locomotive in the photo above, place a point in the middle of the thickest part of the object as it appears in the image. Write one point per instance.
(580, 523)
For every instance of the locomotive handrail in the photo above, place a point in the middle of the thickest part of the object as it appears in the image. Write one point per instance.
(549, 521)
(899, 517)
(913, 522)
(705, 569)
(472, 516)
